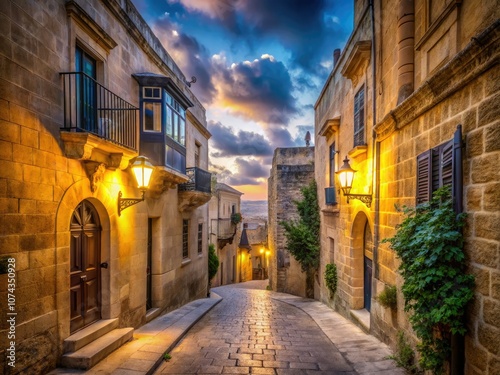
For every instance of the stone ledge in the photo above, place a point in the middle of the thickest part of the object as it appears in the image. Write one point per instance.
(476, 58)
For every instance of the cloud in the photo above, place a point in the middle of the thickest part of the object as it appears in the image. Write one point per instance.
(240, 177)
(308, 29)
(243, 143)
(259, 90)
(251, 168)
(191, 56)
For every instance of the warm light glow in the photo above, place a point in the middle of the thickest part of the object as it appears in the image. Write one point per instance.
(267, 253)
(346, 176)
(261, 251)
(143, 170)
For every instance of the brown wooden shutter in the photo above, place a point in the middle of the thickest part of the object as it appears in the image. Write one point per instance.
(424, 176)
(457, 180)
(446, 164)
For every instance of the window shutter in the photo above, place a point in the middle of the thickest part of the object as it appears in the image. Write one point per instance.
(424, 176)
(457, 181)
(446, 164)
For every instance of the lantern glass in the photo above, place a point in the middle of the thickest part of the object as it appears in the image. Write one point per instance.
(143, 170)
(346, 176)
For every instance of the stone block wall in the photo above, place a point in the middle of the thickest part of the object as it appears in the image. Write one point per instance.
(293, 168)
(40, 187)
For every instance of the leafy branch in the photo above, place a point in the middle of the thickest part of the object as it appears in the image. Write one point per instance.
(436, 289)
(303, 240)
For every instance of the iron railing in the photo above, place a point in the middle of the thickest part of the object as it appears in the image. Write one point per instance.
(199, 180)
(90, 107)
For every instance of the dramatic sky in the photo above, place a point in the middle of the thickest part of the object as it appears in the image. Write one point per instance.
(259, 66)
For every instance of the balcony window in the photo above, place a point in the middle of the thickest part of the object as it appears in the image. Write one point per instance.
(163, 130)
(91, 110)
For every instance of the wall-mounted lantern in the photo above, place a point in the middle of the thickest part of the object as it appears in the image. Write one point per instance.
(346, 177)
(142, 169)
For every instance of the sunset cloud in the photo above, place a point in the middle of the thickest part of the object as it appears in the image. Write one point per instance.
(258, 90)
(227, 142)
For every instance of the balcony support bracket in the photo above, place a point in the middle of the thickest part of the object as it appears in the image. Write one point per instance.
(95, 172)
(124, 203)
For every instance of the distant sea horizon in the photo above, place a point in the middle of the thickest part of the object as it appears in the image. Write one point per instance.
(254, 209)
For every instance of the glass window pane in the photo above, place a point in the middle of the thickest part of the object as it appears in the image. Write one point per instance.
(152, 117)
(169, 124)
(182, 131)
(175, 134)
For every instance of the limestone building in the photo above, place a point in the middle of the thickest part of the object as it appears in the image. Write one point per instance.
(225, 232)
(412, 102)
(86, 87)
(292, 169)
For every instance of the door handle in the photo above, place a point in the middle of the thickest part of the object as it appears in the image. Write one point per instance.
(83, 277)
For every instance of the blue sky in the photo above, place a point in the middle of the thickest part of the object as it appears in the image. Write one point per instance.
(259, 66)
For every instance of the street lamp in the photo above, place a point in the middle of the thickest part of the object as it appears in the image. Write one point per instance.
(346, 177)
(142, 170)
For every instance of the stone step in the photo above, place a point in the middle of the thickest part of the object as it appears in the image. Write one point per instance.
(91, 354)
(85, 336)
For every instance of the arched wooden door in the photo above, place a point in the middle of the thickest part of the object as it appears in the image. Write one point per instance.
(85, 248)
(367, 266)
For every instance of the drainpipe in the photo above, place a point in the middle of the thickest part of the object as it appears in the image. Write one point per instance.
(375, 147)
(406, 44)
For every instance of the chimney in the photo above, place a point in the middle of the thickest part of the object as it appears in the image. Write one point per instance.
(336, 55)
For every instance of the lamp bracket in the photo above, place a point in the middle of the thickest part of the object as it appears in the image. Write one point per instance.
(365, 198)
(124, 203)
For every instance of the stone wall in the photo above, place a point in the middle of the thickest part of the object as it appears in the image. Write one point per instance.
(454, 83)
(292, 169)
(40, 187)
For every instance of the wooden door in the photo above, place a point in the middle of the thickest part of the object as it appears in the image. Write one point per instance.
(85, 247)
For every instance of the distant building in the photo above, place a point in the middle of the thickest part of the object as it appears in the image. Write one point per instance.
(292, 169)
(225, 231)
(86, 87)
(413, 103)
(254, 241)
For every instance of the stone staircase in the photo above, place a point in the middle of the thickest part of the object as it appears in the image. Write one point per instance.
(90, 345)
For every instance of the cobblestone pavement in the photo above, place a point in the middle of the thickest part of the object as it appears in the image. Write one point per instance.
(248, 332)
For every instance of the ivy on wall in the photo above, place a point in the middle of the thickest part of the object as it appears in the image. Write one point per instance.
(302, 236)
(436, 288)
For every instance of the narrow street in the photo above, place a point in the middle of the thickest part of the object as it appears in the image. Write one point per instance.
(249, 332)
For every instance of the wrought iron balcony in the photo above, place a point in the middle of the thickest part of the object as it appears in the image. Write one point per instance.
(91, 108)
(196, 191)
(199, 180)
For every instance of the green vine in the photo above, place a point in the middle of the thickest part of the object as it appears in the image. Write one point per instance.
(436, 289)
(302, 236)
(213, 262)
(331, 278)
(388, 297)
(236, 218)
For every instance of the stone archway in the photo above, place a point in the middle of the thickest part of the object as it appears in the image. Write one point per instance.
(361, 262)
(104, 207)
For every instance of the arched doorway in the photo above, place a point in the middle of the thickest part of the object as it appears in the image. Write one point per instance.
(362, 250)
(367, 266)
(85, 249)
